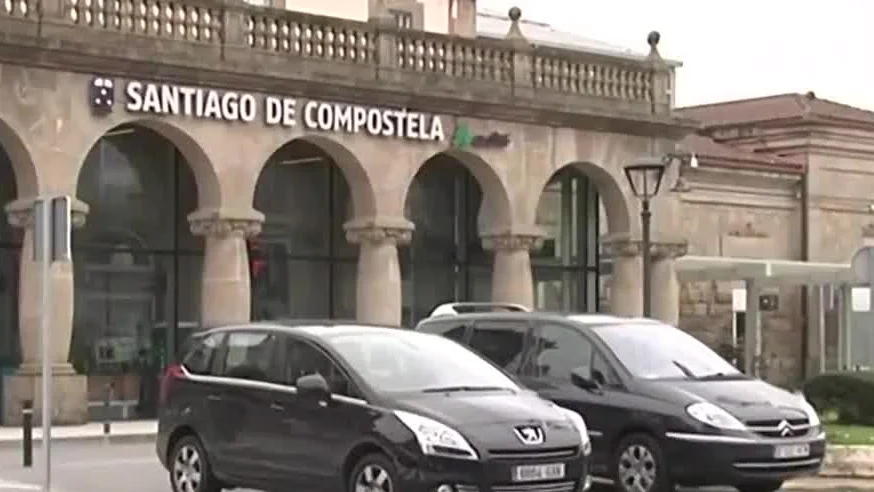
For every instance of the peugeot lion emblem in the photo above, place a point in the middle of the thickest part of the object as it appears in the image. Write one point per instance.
(529, 434)
(785, 428)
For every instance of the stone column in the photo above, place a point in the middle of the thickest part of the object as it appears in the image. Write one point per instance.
(665, 295)
(70, 389)
(225, 294)
(378, 282)
(512, 280)
(626, 294)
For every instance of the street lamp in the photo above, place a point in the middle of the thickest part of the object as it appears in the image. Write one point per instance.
(645, 178)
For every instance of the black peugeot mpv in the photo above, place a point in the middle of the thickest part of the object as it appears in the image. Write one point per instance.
(353, 408)
(661, 407)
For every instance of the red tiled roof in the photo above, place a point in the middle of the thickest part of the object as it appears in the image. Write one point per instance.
(779, 107)
(710, 152)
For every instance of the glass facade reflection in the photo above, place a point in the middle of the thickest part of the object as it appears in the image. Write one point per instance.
(137, 268)
(565, 269)
(302, 265)
(10, 245)
(445, 260)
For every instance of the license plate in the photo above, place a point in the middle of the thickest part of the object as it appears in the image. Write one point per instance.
(532, 473)
(792, 451)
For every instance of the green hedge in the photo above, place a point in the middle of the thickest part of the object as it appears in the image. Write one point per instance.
(843, 397)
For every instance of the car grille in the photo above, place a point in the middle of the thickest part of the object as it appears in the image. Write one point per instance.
(776, 429)
(565, 486)
(543, 454)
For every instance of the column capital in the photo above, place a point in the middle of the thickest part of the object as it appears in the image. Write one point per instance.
(615, 247)
(669, 251)
(513, 241)
(217, 222)
(379, 230)
(20, 212)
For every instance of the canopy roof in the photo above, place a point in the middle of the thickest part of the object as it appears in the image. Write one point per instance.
(702, 268)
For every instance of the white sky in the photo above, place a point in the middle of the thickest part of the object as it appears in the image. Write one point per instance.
(734, 49)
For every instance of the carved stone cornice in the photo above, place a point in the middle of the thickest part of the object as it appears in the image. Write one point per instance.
(224, 223)
(513, 242)
(618, 248)
(380, 230)
(20, 213)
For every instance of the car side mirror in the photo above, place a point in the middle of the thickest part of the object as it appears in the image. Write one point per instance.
(313, 386)
(583, 380)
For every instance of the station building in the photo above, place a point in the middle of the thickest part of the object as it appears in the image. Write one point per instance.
(254, 162)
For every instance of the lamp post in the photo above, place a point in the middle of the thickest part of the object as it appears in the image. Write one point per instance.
(645, 178)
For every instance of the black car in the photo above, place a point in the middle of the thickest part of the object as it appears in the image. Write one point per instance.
(662, 408)
(351, 408)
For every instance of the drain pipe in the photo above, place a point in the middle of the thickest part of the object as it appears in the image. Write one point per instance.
(805, 256)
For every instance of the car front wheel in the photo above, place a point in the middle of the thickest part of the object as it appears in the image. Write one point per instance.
(770, 486)
(189, 468)
(373, 473)
(639, 466)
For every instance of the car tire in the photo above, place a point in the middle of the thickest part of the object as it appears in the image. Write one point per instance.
(638, 458)
(769, 486)
(374, 470)
(189, 467)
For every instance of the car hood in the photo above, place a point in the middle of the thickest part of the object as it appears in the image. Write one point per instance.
(488, 418)
(746, 399)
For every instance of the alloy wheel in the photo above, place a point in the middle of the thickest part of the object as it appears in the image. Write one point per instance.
(373, 478)
(187, 469)
(637, 469)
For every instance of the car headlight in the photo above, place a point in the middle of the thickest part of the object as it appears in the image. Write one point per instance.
(437, 439)
(580, 424)
(812, 416)
(715, 416)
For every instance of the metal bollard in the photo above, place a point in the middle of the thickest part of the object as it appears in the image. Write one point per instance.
(27, 433)
(107, 399)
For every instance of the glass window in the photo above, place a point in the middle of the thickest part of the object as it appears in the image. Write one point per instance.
(401, 361)
(559, 351)
(601, 370)
(452, 331)
(199, 357)
(303, 359)
(657, 351)
(502, 342)
(248, 355)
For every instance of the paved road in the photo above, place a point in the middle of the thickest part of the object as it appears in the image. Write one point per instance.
(131, 467)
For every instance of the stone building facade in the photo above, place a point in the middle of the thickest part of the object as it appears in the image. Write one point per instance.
(231, 162)
(781, 177)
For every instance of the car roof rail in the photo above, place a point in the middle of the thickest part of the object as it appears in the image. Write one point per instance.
(455, 308)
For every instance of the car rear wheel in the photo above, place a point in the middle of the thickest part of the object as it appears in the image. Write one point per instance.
(770, 486)
(373, 473)
(189, 468)
(639, 465)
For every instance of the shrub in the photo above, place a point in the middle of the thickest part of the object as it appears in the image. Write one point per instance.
(845, 397)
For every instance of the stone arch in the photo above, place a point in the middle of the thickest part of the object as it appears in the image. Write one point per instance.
(208, 187)
(23, 166)
(360, 185)
(615, 203)
(497, 212)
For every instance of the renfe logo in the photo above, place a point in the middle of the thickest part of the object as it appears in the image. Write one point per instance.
(463, 138)
(240, 107)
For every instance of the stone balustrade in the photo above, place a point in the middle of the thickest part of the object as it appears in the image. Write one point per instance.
(228, 36)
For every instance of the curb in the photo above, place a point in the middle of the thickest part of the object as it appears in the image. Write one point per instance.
(91, 439)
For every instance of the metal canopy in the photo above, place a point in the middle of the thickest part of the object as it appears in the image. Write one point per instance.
(703, 268)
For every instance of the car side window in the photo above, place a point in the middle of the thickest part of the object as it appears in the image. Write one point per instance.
(602, 372)
(249, 355)
(453, 331)
(559, 351)
(502, 342)
(198, 359)
(303, 359)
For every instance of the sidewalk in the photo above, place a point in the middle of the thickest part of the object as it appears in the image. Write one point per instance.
(830, 484)
(129, 430)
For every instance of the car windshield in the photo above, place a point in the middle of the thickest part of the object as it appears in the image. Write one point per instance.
(660, 351)
(404, 361)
